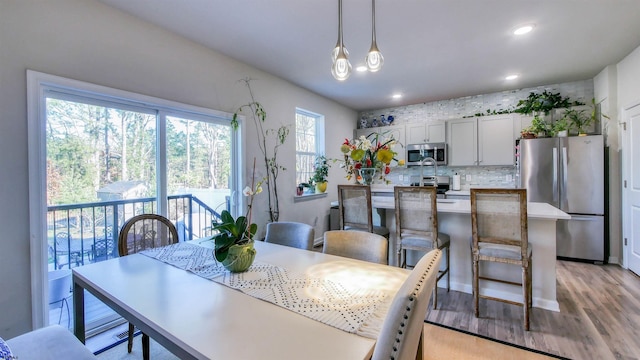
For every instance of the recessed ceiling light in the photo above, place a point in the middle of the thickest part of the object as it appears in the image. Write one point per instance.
(361, 68)
(511, 77)
(523, 29)
(396, 96)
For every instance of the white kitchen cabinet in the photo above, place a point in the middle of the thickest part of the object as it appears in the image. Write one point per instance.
(495, 140)
(520, 121)
(462, 143)
(485, 141)
(427, 132)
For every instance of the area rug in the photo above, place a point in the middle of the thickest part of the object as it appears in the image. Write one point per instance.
(444, 342)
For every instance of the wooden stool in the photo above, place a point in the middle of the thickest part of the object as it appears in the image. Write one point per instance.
(417, 226)
(499, 227)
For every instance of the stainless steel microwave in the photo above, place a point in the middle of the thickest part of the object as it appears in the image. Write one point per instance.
(417, 152)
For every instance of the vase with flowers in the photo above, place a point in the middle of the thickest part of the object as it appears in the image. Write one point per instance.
(369, 157)
(234, 237)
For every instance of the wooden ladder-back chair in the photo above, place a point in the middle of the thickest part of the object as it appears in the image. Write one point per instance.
(417, 227)
(499, 228)
(139, 233)
(354, 204)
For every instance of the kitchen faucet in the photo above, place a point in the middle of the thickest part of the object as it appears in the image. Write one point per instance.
(435, 169)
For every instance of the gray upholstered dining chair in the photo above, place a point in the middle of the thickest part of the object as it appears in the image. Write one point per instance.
(358, 245)
(500, 234)
(401, 335)
(417, 226)
(354, 204)
(294, 234)
(142, 232)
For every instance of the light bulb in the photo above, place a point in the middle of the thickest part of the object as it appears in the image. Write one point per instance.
(374, 59)
(336, 50)
(341, 68)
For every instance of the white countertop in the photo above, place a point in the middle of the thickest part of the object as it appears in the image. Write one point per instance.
(534, 209)
(458, 192)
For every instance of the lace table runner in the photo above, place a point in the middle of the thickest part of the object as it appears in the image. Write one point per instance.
(357, 311)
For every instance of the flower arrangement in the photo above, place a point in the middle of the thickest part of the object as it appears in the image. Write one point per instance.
(238, 231)
(372, 151)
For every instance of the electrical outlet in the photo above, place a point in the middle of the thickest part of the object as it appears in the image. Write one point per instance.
(400, 177)
(467, 178)
(509, 178)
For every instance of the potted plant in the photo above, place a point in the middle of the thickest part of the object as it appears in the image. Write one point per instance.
(321, 172)
(527, 133)
(561, 127)
(234, 237)
(579, 120)
(539, 127)
(542, 103)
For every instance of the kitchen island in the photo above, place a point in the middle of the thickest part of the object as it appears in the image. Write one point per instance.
(454, 218)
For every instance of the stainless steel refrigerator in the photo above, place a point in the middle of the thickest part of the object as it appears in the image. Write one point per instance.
(569, 173)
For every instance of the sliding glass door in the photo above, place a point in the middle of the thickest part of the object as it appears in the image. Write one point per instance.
(109, 158)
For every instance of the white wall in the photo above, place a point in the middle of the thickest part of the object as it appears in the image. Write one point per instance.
(88, 41)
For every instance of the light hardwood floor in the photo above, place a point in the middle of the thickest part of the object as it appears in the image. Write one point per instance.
(599, 315)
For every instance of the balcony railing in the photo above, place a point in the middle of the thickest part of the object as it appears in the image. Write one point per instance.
(85, 233)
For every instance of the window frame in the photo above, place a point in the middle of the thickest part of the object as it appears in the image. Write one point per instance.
(319, 137)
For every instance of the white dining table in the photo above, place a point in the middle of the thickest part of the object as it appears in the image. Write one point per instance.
(196, 318)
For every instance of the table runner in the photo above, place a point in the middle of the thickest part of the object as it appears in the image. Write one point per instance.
(357, 311)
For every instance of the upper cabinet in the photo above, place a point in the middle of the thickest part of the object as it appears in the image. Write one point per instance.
(495, 140)
(462, 142)
(428, 132)
(487, 140)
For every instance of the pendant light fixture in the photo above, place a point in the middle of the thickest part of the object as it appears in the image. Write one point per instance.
(374, 58)
(341, 68)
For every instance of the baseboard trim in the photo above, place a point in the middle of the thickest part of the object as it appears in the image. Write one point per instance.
(536, 302)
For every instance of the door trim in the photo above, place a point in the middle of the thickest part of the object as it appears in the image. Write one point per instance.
(625, 169)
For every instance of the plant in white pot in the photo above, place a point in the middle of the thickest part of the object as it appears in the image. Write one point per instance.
(561, 127)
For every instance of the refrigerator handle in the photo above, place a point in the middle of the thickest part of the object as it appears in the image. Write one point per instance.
(564, 172)
(555, 174)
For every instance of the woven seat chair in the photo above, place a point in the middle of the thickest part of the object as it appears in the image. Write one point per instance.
(358, 245)
(499, 228)
(417, 227)
(354, 204)
(401, 334)
(142, 232)
(294, 234)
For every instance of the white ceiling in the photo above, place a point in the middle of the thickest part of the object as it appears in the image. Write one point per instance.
(433, 49)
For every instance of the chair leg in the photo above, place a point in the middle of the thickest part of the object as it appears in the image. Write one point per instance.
(61, 310)
(448, 268)
(130, 340)
(68, 313)
(525, 293)
(145, 346)
(475, 288)
(435, 296)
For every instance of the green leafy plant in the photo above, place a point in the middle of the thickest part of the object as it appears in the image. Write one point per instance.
(561, 124)
(271, 165)
(321, 170)
(578, 119)
(543, 103)
(538, 126)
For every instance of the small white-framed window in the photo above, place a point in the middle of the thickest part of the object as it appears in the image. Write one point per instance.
(309, 142)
